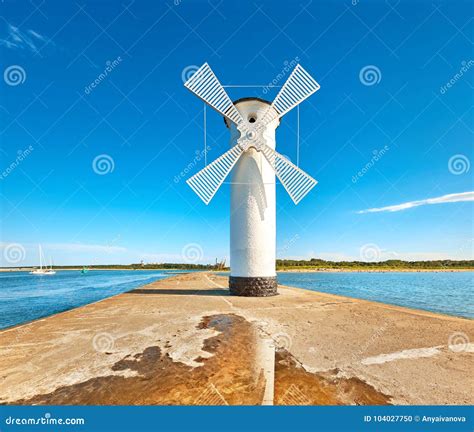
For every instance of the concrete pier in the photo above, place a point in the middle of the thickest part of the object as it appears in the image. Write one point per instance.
(185, 340)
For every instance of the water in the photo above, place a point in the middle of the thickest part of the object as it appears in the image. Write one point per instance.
(444, 292)
(24, 297)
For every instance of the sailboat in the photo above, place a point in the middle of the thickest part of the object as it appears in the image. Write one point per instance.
(42, 271)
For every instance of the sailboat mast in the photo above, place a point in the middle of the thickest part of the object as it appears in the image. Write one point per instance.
(41, 257)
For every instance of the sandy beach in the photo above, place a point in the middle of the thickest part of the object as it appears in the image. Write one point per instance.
(184, 340)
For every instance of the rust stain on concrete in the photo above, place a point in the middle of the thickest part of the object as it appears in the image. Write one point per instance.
(294, 385)
(224, 379)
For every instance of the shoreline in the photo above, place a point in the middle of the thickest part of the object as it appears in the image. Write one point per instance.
(184, 336)
(295, 270)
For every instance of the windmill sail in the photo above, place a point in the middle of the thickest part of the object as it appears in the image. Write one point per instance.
(299, 86)
(206, 86)
(296, 182)
(207, 181)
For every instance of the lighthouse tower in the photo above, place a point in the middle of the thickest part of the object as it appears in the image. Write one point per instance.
(253, 210)
(253, 161)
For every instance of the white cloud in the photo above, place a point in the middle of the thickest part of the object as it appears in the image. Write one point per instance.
(24, 40)
(450, 198)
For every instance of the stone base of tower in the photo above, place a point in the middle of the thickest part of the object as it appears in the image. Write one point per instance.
(253, 286)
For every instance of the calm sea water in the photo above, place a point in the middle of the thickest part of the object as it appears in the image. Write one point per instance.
(448, 293)
(24, 297)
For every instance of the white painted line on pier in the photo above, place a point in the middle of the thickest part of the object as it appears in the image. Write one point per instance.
(416, 353)
(267, 359)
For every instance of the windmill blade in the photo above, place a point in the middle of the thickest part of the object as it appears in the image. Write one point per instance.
(206, 182)
(205, 85)
(296, 182)
(299, 86)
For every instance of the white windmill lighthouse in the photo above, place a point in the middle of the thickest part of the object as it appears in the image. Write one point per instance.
(254, 162)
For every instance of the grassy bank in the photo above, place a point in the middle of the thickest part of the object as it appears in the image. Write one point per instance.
(390, 265)
(290, 265)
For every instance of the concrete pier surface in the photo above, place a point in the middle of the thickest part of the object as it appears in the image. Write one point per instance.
(185, 340)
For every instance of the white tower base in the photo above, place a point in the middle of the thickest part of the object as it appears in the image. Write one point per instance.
(253, 212)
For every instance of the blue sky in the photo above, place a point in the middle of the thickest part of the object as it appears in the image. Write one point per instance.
(405, 136)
